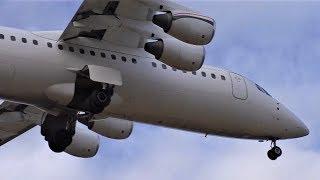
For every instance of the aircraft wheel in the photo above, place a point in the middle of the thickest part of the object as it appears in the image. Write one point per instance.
(63, 137)
(57, 148)
(277, 151)
(99, 100)
(100, 97)
(272, 155)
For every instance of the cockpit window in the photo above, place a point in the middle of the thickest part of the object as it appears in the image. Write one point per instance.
(263, 90)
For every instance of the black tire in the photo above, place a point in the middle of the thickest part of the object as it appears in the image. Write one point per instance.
(97, 101)
(277, 151)
(96, 109)
(102, 97)
(63, 138)
(43, 131)
(272, 155)
(57, 148)
(99, 97)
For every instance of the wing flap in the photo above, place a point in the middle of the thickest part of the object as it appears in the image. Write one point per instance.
(15, 119)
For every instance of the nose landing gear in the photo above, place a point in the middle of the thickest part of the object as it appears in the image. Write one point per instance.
(275, 151)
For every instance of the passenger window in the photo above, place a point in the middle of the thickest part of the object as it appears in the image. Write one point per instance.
(223, 77)
(81, 51)
(154, 64)
(13, 38)
(35, 42)
(124, 59)
(114, 57)
(213, 76)
(1, 36)
(24, 40)
(60, 47)
(174, 69)
(92, 53)
(71, 49)
(49, 45)
(203, 74)
(164, 66)
(103, 55)
(134, 61)
(194, 72)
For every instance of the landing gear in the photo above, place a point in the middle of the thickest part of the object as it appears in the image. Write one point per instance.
(58, 131)
(60, 141)
(90, 96)
(99, 99)
(55, 147)
(275, 151)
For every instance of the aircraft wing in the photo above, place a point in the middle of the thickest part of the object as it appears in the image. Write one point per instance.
(121, 22)
(16, 119)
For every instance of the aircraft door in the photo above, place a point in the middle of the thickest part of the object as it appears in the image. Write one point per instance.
(239, 87)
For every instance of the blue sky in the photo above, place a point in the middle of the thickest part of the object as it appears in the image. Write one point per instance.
(276, 44)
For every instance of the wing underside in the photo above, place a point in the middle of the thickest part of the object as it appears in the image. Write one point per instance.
(122, 22)
(16, 119)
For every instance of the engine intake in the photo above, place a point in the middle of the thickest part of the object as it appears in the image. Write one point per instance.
(177, 54)
(185, 26)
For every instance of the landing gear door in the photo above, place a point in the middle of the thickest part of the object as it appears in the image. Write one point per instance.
(101, 74)
(105, 75)
(239, 87)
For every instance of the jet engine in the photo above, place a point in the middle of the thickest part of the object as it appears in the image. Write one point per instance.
(111, 127)
(185, 26)
(84, 144)
(177, 54)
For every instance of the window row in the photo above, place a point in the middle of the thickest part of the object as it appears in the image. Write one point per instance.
(93, 53)
(204, 74)
(72, 49)
(103, 55)
(24, 40)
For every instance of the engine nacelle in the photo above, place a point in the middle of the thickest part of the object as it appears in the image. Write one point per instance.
(177, 54)
(84, 144)
(112, 128)
(186, 26)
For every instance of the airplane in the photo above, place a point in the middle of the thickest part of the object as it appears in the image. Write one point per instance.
(125, 61)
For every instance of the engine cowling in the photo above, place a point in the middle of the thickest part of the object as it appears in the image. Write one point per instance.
(84, 144)
(177, 54)
(186, 26)
(112, 128)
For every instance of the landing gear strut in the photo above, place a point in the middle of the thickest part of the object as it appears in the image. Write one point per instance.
(275, 151)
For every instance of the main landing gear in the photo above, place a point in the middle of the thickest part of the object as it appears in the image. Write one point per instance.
(58, 131)
(275, 151)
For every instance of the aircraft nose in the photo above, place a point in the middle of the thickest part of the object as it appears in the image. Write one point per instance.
(302, 129)
(298, 128)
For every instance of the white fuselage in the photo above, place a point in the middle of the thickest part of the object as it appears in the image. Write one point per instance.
(232, 107)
